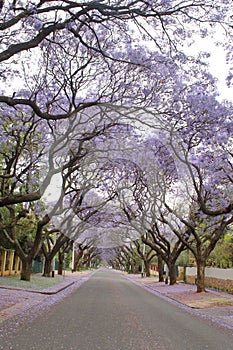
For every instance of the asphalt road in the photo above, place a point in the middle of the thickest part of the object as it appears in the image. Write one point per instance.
(108, 312)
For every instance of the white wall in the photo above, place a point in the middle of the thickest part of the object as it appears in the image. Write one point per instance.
(225, 274)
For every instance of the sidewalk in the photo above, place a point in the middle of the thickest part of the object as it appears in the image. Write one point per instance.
(215, 305)
(15, 300)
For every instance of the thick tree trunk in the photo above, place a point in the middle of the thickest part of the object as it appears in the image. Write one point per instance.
(47, 267)
(60, 268)
(160, 268)
(200, 280)
(147, 268)
(172, 273)
(26, 270)
(78, 257)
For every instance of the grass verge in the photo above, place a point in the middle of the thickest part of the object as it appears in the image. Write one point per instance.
(37, 282)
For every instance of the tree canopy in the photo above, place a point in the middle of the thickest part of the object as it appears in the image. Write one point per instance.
(110, 128)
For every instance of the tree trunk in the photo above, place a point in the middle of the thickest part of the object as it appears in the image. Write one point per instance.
(47, 267)
(200, 280)
(60, 268)
(88, 262)
(77, 260)
(160, 268)
(172, 273)
(78, 266)
(26, 270)
(147, 268)
(60, 263)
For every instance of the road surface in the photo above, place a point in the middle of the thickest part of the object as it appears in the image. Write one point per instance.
(108, 312)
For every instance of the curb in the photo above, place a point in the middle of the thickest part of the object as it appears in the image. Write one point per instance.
(50, 290)
(160, 294)
(194, 311)
(53, 291)
(47, 292)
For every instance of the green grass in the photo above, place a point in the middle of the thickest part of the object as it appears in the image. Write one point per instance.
(37, 282)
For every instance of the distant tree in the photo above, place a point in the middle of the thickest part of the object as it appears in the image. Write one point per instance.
(64, 250)
(51, 248)
(147, 256)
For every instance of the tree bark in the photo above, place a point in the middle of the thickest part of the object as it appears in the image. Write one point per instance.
(160, 268)
(26, 270)
(47, 267)
(200, 280)
(172, 273)
(147, 268)
(60, 263)
(77, 260)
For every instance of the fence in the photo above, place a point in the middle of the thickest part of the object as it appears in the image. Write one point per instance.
(37, 266)
(10, 263)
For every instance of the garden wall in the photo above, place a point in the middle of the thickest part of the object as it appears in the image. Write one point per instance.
(221, 279)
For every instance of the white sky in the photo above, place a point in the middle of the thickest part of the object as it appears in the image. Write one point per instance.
(53, 191)
(217, 61)
(220, 69)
